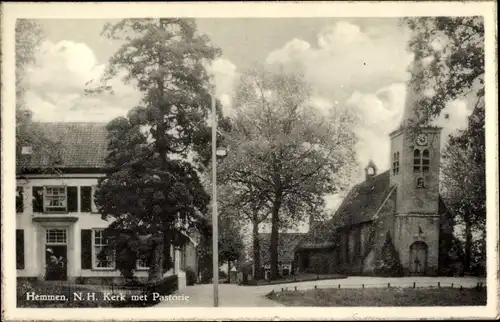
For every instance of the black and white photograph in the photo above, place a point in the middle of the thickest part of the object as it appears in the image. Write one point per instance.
(258, 162)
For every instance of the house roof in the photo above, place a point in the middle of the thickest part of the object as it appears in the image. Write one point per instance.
(75, 145)
(287, 243)
(360, 205)
(320, 235)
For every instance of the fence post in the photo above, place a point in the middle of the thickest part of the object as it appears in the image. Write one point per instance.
(451, 285)
(389, 285)
(414, 284)
(282, 289)
(315, 286)
(439, 284)
(339, 285)
(461, 288)
(362, 285)
(295, 287)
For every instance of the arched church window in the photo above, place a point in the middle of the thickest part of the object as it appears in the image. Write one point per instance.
(417, 161)
(425, 161)
(395, 163)
(421, 161)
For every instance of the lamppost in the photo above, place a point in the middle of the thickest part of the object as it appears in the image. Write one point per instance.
(216, 154)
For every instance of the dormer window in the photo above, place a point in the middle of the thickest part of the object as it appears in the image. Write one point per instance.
(26, 150)
(421, 161)
(395, 163)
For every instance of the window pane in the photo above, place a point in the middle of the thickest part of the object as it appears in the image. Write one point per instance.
(426, 161)
(416, 161)
(426, 153)
(416, 153)
(416, 169)
(57, 236)
(426, 169)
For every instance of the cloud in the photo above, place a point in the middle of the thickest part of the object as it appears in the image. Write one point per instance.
(55, 85)
(364, 68)
(225, 74)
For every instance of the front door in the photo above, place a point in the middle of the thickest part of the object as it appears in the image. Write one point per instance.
(56, 255)
(418, 258)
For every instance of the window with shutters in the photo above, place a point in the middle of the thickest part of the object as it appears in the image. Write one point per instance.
(19, 199)
(102, 259)
(55, 199)
(19, 249)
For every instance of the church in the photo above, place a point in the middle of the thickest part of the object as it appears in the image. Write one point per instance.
(401, 206)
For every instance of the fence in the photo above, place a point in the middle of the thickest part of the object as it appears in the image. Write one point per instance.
(478, 286)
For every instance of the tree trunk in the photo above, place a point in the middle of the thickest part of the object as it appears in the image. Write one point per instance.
(273, 248)
(156, 262)
(256, 250)
(229, 272)
(468, 246)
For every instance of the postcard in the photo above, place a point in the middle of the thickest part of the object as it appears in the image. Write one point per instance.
(263, 160)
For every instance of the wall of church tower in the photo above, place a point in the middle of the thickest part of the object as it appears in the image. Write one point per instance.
(412, 198)
(416, 224)
(414, 229)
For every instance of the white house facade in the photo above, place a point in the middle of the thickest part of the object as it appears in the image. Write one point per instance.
(57, 220)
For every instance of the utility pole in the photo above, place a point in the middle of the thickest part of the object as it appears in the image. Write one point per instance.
(215, 233)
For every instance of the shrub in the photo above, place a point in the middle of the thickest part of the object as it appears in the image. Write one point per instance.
(387, 263)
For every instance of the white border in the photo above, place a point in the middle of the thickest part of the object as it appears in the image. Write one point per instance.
(11, 11)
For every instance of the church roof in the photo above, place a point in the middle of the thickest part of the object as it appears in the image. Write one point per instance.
(77, 145)
(363, 201)
(360, 205)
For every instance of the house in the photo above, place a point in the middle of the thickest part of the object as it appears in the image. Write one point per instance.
(401, 205)
(287, 242)
(57, 220)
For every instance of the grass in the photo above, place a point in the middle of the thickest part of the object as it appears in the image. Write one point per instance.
(296, 278)
(382, 297)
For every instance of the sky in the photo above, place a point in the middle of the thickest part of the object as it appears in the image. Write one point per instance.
(359, 63)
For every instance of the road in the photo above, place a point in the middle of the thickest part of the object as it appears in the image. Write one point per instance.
(232, 295)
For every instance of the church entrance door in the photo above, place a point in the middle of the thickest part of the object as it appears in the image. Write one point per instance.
(418, 258)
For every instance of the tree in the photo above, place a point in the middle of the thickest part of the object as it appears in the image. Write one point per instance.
(230, 241)
(464, 182)
(29, 35)
(387, 260)
(454, 48)
(150, 187)
(283, 147)
(248, 206)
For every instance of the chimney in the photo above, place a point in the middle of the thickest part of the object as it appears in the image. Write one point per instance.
(370, 170)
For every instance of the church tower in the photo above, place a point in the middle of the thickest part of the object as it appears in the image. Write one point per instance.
(415, 162)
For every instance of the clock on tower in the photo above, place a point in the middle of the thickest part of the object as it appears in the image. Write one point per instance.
(422, 139)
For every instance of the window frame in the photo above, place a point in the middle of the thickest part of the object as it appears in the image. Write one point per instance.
(55, 243)
(422, 161)
(395, 163)
(46, 200)
(94, 253)
(140, 267)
